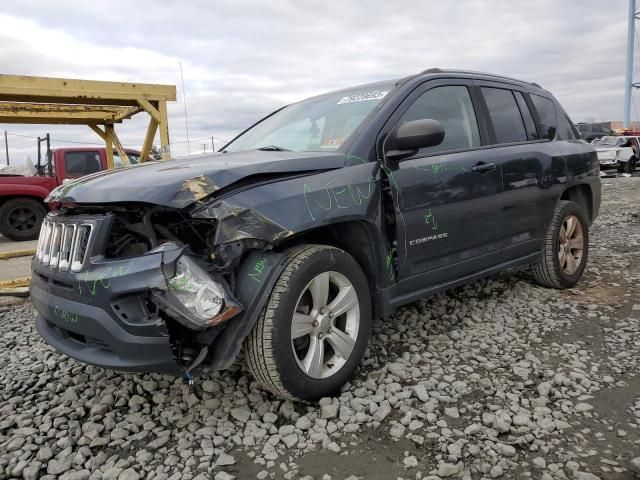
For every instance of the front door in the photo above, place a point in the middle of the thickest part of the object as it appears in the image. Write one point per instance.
(448, 197)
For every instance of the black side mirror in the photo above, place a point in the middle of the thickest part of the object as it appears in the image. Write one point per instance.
(412, 136)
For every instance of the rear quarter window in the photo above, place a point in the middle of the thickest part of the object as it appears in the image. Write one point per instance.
(566, 129)
(547, 115)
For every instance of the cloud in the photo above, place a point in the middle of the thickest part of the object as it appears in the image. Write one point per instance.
(242, 60)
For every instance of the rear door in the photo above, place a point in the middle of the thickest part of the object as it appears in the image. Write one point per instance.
(531, 167)
(449, 197)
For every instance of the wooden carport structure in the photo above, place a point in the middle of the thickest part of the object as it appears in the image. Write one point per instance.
(98, 104)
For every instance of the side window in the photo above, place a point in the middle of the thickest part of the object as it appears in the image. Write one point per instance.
(583, 128)
(78, 164)
(566, 130)
(607, 130)
(452, 107)
(597, 129)
(547, 113)
(505, 115)
(529, 123)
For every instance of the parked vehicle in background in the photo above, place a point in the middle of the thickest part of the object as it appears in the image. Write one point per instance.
(592, 131)
(22, 206)
(323, 215)
(618, 152)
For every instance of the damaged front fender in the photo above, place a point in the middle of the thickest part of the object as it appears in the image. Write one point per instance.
(255, 279)
(279, 210)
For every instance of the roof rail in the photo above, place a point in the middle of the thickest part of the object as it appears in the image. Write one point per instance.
(473, 72)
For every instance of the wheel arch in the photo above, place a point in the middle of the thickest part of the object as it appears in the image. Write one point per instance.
(6, 198)
(358, 238)
(581, 194)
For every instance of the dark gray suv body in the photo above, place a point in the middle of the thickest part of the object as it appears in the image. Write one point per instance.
(372, 198)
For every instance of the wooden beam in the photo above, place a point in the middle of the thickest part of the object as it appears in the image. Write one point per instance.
(164, 131)
(148, 140)
(48, 113)
(150, 109)
(126, 114)
(50, 90)
(99, 131)
(120, 149)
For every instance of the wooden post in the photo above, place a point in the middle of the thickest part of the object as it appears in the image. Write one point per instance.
(148, 140)
(108, 130)
(164, 130)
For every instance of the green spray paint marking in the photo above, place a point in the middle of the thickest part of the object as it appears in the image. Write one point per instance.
(64, 315)
(389, 263)
(392, 179)
(258, 268)
(438, 168)
(306, 190)
(336, 197)
(180, 283)
(104, 277)
(430, 219)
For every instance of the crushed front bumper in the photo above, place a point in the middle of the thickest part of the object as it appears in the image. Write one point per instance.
(103, 315)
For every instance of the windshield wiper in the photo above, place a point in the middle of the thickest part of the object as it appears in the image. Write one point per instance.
(273, 148)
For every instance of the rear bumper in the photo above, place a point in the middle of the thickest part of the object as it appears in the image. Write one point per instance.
(105, 322)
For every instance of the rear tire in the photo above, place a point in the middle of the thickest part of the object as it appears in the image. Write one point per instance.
(313, 353)
(630, 166)
(21, 218)
(566, 248)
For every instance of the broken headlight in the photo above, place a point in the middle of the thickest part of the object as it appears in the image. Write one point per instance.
(195, 299)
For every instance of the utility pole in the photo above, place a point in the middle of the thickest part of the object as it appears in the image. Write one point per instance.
(186, 118)
(6, 146)
(204, 148)
(629, 77)
(213, 148)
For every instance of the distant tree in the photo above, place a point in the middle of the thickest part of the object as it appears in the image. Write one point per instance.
(156, 153)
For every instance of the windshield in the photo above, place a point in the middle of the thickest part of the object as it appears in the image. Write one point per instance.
(612, 141)
(319, 124)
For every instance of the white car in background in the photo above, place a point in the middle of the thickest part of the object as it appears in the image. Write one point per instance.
(618, 152)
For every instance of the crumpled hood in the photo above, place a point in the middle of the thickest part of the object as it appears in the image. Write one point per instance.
(180, 183)
(608, 149)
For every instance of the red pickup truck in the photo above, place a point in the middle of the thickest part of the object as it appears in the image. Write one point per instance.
(22, 206)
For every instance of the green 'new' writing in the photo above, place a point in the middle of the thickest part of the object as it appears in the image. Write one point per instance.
(258, 268)
(64, 315)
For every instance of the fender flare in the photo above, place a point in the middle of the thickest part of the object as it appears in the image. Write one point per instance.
(255, 279)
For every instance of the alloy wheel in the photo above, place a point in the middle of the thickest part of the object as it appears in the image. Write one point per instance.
(325, 324)
(570, 245)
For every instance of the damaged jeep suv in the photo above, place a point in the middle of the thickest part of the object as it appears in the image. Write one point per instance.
(323, 215)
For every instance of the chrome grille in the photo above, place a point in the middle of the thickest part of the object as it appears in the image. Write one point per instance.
(64, 245)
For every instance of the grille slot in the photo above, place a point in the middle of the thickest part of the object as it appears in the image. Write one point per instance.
(64, 244)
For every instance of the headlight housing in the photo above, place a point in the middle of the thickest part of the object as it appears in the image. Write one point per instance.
(194, 298)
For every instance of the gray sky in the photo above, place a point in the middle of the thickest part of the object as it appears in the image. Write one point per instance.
(243, 59)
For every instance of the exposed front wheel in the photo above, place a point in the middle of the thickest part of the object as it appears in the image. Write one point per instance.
(20, 218)
(566, 247)
(313, 332)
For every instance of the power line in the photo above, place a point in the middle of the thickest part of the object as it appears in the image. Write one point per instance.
(75, 142)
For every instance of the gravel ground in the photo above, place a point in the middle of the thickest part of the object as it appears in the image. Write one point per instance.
(499, 379)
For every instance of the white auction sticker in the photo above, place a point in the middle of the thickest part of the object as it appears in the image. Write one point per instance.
(363, 97)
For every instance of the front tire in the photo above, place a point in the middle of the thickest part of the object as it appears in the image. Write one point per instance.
(21, 218)
(566, 248)
(312, 334)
